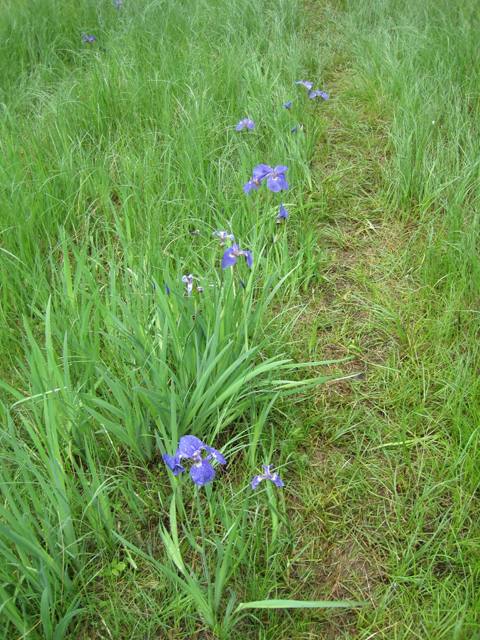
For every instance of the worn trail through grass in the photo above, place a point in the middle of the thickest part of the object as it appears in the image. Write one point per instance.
(395, 450)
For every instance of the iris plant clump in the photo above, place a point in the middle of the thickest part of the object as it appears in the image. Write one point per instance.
(190, 448)
(200, 456)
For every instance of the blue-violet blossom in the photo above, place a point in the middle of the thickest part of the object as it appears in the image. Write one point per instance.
(88, 39)
(231, 255)
(283, 215)
(287, 105)
(319, 94)
(189, 282)
(190, 448)
(246, 122)
(305, 83)
(276, 180)
(223, 235)
(117, 4)
(294, 129)
(274, 477)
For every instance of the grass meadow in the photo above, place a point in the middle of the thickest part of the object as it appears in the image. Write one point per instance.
(347, 355)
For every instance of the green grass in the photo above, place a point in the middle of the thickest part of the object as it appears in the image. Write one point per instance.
(111, 155)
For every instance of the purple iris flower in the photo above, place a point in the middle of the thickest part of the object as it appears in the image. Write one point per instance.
(319, 94)
(274, 477)
(305, 83)
(117, 4)
(88, 39)
(287, 105)
(276, 180)
(167, 290)
(246, 122)
(254, 183)
(231, 255)
(189, 282)
(294, 129)
(223, 235)
(190, 448)
(242, 283)
(283, 215)
(194, 233)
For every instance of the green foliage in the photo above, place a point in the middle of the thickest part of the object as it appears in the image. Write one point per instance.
(112, 154)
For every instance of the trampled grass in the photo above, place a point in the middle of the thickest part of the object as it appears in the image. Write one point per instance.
(119, 159)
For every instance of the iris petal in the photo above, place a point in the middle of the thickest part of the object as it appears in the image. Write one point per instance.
(202, 473)
(213, 453)
(249, 186)
(172, 464)
(256, 481)
(261, 171)
(188, 446)
(229, 259)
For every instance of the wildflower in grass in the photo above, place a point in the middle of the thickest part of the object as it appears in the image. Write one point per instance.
(88, 39)
(242, 283)
(294, 129)
(223, 235)
(276, 180)
(319, 94)
(254, 183)
(194, 233)
(190, 448)
(189, 282)
(117, 4)
(167, 290)
(283, 215)
(305, 83)
(287, 105)
(268, 475)
(246, 122)
(199, 289)
(231, 255)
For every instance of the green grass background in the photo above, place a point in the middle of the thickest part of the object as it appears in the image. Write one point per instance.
(111, 154)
